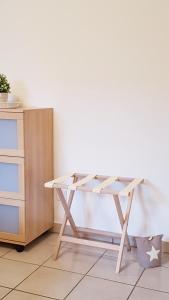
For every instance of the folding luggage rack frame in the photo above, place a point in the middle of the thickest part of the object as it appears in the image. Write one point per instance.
(79, 182)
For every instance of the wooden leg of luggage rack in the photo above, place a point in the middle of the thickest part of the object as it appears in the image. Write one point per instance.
(67, 216)
(121, 219)
(124, 232)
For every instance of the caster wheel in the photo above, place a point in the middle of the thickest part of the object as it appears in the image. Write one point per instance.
(20, 248)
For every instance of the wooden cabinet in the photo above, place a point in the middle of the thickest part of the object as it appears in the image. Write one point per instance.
(26, 163)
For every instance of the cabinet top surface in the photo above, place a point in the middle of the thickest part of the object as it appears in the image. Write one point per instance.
(21, 109)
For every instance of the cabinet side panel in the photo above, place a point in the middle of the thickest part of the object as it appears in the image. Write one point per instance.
(38, 140)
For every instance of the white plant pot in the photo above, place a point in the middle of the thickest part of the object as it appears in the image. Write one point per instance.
(3, 97)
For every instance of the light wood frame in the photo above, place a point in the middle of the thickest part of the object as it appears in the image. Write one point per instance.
(20, 161)
(20, 237)
(104, 184)
(79, 181)
(19, 119)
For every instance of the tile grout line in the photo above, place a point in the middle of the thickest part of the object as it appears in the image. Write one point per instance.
(42, 265)
(124, 283)
(12, 289)
(31, 273)
(39, 266)
(150, 289)
(84, 275)
(135, 285)
(30, 293)
(68, 271)
(81, 280)
(6, 294)
(5, 253)
(20, 261)
(15, 288)
(46, 297)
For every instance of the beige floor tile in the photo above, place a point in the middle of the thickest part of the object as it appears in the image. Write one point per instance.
(17, 295)
(4, 248)
(165, 260)
(77, 247)
(94, 288)
(36, 252)
(105, 268)
(155, 278)
(3, 291)
(129, 255)
(145, 294)
(51, 238)
(50, 283)
(132, 255)
(79, 259)
(13, 272)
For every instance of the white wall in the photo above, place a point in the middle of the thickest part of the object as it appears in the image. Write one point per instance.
(104, 67)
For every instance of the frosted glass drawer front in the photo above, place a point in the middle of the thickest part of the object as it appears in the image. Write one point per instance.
(12, 177)
(12, 219)
(8, 134)
(11, 134)
(9, 177)
(9, 218)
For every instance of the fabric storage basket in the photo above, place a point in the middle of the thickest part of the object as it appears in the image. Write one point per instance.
(149, 251)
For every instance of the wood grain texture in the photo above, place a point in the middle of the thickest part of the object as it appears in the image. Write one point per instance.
(65, 219)
(124, 232)
(38, 144)
(53, 183)
(81, 182)
(105, 183)
(83, 188)
(85, 242)
(18, 109)
(67, 210)
(104, 177)
(130, 187)
(121, 218)
(101, 188)
(12, 110)
(11, 116)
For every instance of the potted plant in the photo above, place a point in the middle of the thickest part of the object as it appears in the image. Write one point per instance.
(4, 88)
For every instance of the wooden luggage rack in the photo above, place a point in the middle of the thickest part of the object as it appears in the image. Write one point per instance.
(79, 183)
